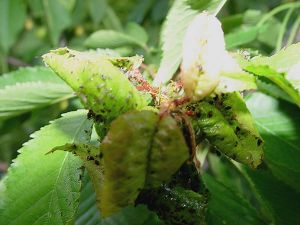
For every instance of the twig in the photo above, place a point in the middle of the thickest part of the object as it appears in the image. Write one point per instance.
(16, 62)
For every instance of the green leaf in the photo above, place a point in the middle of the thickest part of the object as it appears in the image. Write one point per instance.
(12, 17)
(197, 4)
(276, 77)
(268, 87)
(111, 20)
(234, 180)
(30, 88)
(175, 206)
(111, 39)
(235, 81)
(281, 69)
(227, 207)
(44, 189)
(58, 19)
(283, 200)
(177, 21)
(101, 86)
(91, 158)
(68, 4)
(79, 13)
(97, 9)
(136, 31)
(268, 33)
(241, 37)
(31, 44)
(36, 8)
(88, 212)
(21, 98)
(150, 151)
(29, 74)
(293, 76)
(140, 10)
(139, 215)
(277, 122)
(228, 125)
(283, 60)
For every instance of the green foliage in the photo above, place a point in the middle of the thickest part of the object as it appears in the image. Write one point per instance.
(57, 19)
(139, 215)
(27, 89)
(88, 212)
(229, 185)
(276, 69)
(91, 157)
(241, 37)
(97, 9)
(176, 205)
(283, 60)
(96, 81)
(280, 204)
(276, 77)
(145, 156)
(12, 17)
(222, 196)
(52, 181)
(279, 130)
(216, 145)
(177, 21)
(135, 36)
(226, 122)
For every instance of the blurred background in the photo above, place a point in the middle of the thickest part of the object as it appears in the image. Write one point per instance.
(31, 28)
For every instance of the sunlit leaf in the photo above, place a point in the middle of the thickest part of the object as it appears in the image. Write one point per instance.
(30, 88)
(100, 85)
(277, 78)
(226, 122)
(177, 21)
(52, 182)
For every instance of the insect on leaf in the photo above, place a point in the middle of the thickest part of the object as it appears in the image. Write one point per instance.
(150, 151)
(226, 122)
(100, 85)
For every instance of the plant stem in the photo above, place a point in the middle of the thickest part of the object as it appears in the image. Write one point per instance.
(294, 31)
(3, 64)
(283, 28)
(279, 9)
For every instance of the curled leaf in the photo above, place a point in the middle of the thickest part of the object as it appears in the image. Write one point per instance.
(175, 206)
(206, 65)
(100, 85)
(147, 154)
(204, 40)
(226, 122)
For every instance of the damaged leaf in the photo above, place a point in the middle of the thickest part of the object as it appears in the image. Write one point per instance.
(141, 150)
(226, 122)
(101, 86)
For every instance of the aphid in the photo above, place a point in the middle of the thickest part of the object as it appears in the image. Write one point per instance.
(97, 82)
(230, 128)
